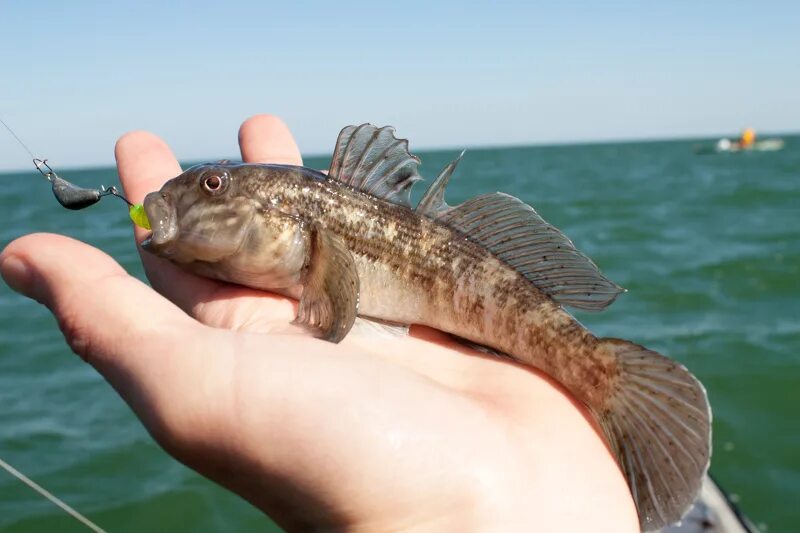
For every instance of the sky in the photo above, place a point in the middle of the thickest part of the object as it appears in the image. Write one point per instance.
(74, 76)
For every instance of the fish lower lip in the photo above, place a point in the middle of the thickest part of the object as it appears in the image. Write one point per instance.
(154, 247)
(161, 214)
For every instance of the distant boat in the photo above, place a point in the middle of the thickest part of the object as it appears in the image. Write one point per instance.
(746, 143)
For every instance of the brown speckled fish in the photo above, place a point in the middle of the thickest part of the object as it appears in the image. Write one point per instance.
(490, 270)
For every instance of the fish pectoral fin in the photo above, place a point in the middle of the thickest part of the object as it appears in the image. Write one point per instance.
(432, 203)
(375, 162)
(329, 303)
(515, 233)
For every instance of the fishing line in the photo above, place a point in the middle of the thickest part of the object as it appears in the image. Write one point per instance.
(18, 139)
(47, 494)
(70, 196)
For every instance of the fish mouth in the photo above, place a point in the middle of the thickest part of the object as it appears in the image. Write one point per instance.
(163, 221)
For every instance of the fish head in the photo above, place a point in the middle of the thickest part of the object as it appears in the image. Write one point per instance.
(220, 220)
(199, 215)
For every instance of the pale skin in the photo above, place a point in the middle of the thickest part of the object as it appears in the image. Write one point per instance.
(372, 434)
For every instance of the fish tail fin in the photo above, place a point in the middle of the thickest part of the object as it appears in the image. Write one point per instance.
(658, 423)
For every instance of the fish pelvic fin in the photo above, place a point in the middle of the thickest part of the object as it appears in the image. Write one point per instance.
(658, 424)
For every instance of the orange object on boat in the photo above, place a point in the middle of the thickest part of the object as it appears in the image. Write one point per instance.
(748, 138)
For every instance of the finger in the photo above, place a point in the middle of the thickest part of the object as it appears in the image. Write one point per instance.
(267, 139)
(82, 297)
(131, 335)
(144, 163)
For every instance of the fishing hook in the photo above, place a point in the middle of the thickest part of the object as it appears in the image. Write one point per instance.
(39, 163)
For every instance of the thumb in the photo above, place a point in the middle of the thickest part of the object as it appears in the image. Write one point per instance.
(139, 341)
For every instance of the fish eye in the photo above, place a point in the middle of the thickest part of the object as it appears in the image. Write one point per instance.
(215, 183)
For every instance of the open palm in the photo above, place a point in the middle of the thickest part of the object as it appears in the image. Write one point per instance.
(375, 433)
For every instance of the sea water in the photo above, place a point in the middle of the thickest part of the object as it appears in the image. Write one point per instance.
(708, 247)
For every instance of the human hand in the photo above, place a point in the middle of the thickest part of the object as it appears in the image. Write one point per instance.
(369, 434)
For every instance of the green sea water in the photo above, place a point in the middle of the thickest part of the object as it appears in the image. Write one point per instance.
(707, 246)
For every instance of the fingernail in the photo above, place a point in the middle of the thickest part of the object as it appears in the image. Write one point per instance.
(16, 274)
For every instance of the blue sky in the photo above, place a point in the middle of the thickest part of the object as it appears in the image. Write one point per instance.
(76, 75)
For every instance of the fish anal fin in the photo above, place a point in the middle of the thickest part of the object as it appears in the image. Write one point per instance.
(515, 233)
(658, 423)
(377, 328)
(432, 203)
(374, 161)
(329, 303)
(482, 348)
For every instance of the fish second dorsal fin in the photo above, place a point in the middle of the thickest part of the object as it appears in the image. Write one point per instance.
(375, 162)
(432, 203)
(515, 233)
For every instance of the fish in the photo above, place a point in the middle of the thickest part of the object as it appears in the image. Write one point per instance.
(490, 271)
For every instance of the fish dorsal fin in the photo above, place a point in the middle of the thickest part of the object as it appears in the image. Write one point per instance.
(432, 203)
(515, 233)
(375, 162)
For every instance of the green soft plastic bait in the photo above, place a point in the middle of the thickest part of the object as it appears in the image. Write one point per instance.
(138, 216)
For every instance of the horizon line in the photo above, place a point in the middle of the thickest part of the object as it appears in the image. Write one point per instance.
(500, 146)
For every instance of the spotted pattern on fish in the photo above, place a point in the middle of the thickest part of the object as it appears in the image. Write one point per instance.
(458, 286)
